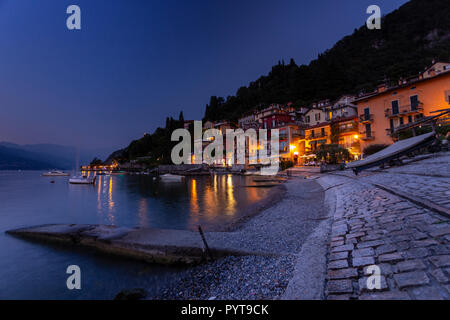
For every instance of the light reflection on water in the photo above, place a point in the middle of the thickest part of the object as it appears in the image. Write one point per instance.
(37, 271)
(207, 200)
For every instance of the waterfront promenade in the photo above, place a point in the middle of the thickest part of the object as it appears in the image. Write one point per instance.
(404, 229)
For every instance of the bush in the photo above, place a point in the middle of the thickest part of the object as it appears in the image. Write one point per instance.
(443, 131)
(373, 148)
(333, 154)
(286, 164)
(406, 134)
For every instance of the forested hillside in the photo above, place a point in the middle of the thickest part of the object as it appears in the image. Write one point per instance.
(409, 39)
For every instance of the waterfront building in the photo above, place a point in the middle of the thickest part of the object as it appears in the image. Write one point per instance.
(271, 110)
(317, 135)
(277, 119)
(344, 129)
(292, 142)
(248, 121)
(389, 107)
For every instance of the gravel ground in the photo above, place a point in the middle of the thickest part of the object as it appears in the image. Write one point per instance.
(234, 278)
(281, 230)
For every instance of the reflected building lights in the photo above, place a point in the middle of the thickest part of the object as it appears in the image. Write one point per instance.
(142, 213)
(110, 201)
(231, 201)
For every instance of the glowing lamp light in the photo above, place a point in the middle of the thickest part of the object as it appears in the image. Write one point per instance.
(296, 153)
(356, 136)
(292, 147)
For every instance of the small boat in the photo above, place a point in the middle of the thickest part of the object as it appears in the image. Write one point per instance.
(55, 173)
(82, 180)
(171, 177)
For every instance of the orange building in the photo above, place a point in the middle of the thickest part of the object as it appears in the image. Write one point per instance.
(317, 135)
(382, 111)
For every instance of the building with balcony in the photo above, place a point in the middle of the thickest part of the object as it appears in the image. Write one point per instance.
(277, 120)
(272, 110)
(316, 136)
(248, 121)
(389, 107)
(292, 142)
(345, 132)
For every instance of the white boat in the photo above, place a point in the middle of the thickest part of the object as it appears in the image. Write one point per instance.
(83, 180)
(171, 177)
(55, 173)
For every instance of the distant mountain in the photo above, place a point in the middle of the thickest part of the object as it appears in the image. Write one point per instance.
(409, 39)
(42, 156)
(16, 159)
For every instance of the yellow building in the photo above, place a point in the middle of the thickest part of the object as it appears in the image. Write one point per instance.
(317, 135)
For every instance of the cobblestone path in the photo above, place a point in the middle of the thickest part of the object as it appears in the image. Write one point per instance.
(409, 243)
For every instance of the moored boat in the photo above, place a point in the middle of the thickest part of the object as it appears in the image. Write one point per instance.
(55, 173)
(82, 180)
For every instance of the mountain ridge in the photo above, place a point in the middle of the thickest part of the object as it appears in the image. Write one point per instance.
(41, 156)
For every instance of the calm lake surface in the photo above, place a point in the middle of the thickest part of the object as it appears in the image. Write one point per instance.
(32, 270)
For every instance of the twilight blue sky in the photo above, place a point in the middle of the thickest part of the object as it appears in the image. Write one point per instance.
(135, 62)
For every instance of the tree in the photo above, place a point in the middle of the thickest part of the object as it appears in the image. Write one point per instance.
(96, 162)
(333, 153)
(373, 148)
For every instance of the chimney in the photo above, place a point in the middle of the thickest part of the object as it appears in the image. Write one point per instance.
(381, 88)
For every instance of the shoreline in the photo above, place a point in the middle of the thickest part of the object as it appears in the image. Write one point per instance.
(284, 228)
(275, 196)
(269, 235)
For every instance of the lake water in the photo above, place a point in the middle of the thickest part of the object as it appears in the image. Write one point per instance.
(33, 270)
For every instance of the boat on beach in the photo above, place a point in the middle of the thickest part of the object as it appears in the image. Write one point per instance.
(55, 173)
(82, 180)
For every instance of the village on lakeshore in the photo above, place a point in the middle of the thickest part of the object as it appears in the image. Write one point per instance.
(327, 132)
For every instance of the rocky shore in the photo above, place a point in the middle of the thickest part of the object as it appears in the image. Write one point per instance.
(280, 230)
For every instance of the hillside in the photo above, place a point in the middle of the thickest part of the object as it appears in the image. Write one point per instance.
(42, 156)
(410, 38)
(16, 159)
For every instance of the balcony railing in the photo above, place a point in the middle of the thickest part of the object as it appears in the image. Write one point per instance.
(364, 118)
(368, 135)
(404, 110)
(353, 128)
(316, 136)
(298, 135)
